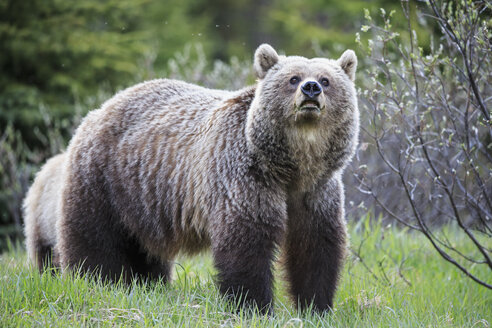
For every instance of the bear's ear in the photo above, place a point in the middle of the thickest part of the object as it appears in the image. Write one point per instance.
(265, 58)
(348, 62)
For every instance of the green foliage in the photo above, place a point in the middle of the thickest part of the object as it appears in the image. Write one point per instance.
(169, 26)
(15, 172)
(427, 130)
(56, 51)
(328, 25)
(409, 288)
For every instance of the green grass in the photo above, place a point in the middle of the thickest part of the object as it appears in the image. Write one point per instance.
(408, 285)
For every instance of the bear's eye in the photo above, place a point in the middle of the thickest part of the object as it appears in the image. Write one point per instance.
(294, 80)
(324, 82)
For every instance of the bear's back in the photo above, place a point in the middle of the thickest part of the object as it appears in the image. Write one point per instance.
(141, 119)
(163, 102)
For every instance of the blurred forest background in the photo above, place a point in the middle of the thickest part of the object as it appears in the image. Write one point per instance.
(424, 100)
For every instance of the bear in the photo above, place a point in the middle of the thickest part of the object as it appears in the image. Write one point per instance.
(167, 167)
(40, 209)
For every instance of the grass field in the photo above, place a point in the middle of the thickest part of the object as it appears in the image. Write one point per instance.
(401, 282)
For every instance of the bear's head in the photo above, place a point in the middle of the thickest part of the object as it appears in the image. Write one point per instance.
(302, 103)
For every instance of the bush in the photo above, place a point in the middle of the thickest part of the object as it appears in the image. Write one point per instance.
(426, 152)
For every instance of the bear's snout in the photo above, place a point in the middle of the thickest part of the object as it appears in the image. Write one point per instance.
(308, 101)
(311, 89)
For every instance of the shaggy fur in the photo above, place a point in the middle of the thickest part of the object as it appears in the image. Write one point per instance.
(167, 167)
(40, 213)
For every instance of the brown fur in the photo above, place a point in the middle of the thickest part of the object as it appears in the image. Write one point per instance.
(40, 213)
(167, 167)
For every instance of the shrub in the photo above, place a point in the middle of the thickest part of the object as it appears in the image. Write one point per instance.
(426, 152)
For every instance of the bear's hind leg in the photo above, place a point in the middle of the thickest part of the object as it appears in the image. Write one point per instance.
(44, 256)
(89, 235)
(108, 251)
(99, 253)
(145, 267)
(40, 251)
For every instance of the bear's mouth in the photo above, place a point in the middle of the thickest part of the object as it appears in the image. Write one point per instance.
(310, 106)
(308, 111)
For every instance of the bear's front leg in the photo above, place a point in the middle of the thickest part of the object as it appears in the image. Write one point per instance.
(244, 239)
(315, 245)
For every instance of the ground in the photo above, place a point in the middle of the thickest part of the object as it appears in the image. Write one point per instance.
(408, 285)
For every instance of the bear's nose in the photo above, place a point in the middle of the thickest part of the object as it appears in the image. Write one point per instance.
(311, 89)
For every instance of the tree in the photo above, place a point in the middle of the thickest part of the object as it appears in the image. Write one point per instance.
(430, 129)
(329, 25)
(54, 51)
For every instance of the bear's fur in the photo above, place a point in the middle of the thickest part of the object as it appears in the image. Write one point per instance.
(166, 167)
(40, 214)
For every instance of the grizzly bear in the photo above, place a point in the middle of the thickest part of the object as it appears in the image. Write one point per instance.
(167, 166)
(40, 214)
